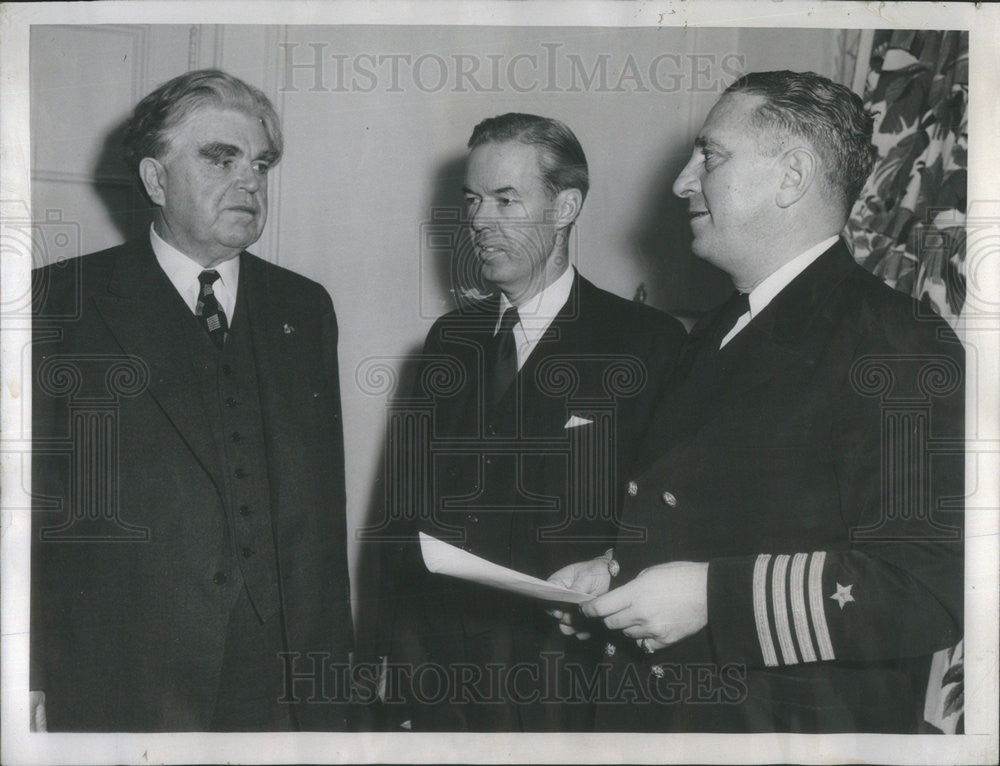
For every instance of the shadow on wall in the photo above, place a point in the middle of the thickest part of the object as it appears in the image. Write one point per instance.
(448, 262)
(377, 551)
(445, 257)
(127, 206)
(679, 282)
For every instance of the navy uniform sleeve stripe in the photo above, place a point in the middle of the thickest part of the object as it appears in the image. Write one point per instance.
(760, 609)
(797, 591)
(780, 608)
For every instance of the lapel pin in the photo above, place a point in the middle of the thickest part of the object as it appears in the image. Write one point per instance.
(288, 328)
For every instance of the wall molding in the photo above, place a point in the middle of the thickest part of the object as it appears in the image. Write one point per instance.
(89, 179)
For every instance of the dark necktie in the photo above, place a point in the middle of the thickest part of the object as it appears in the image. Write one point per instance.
(208, 310)
(504, 362)
(737, 305)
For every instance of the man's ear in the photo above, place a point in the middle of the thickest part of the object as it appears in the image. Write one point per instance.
(568, 204)
(153, 176)
(798, 172)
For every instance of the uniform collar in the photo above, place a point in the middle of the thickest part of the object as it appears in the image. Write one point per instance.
(766, 291)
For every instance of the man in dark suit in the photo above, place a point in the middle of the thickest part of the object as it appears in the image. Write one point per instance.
(189, 552)
(552, 376)
(802, 488)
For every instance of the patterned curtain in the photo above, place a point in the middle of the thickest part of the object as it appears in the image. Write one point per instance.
(908, 227)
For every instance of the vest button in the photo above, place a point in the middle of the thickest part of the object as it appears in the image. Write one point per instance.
(632, 488)
(220, 578)
(236, 436)
(657, 670)
(247, 552)
(231, 402)
(669, 499)
(226, 369)
(244, 510)
(239, 473)
(610, 649)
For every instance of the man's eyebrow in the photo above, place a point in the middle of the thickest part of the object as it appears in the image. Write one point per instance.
(217, 149)
(503, 191)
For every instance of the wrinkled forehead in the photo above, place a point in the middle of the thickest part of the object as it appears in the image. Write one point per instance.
(216, 122)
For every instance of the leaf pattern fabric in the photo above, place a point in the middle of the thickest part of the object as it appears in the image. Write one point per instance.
(908, 226)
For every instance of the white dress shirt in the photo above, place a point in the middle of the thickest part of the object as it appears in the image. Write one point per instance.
(183, 273)
(536, 314)
(766, 291)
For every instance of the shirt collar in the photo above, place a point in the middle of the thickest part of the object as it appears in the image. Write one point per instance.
(537, 313)
(183, 271)
(766, 291)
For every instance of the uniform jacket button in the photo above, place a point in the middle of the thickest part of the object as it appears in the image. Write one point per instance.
(610, 649)
(219, 578)
(657, 670)
(669, 499)
(632, 488)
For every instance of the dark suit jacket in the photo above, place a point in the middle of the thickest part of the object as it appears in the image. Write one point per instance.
(520, 485)
(130, 610)
(816, 464)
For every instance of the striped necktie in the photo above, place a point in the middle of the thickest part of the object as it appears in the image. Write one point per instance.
(208, 310)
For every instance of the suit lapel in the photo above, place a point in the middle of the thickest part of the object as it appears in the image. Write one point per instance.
(789, 331)
(277, 325)
(708, 392)
(143, 311)
(469, 340)
(559, 338)
(566, 326)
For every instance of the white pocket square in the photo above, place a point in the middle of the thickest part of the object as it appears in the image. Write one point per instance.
(576, 422)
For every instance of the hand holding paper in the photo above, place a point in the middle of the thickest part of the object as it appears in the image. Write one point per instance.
(442, 558)
(592, 577)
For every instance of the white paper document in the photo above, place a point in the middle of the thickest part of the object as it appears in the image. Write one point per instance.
(442, 558)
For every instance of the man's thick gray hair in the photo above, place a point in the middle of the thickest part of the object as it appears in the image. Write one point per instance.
(148, 132)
